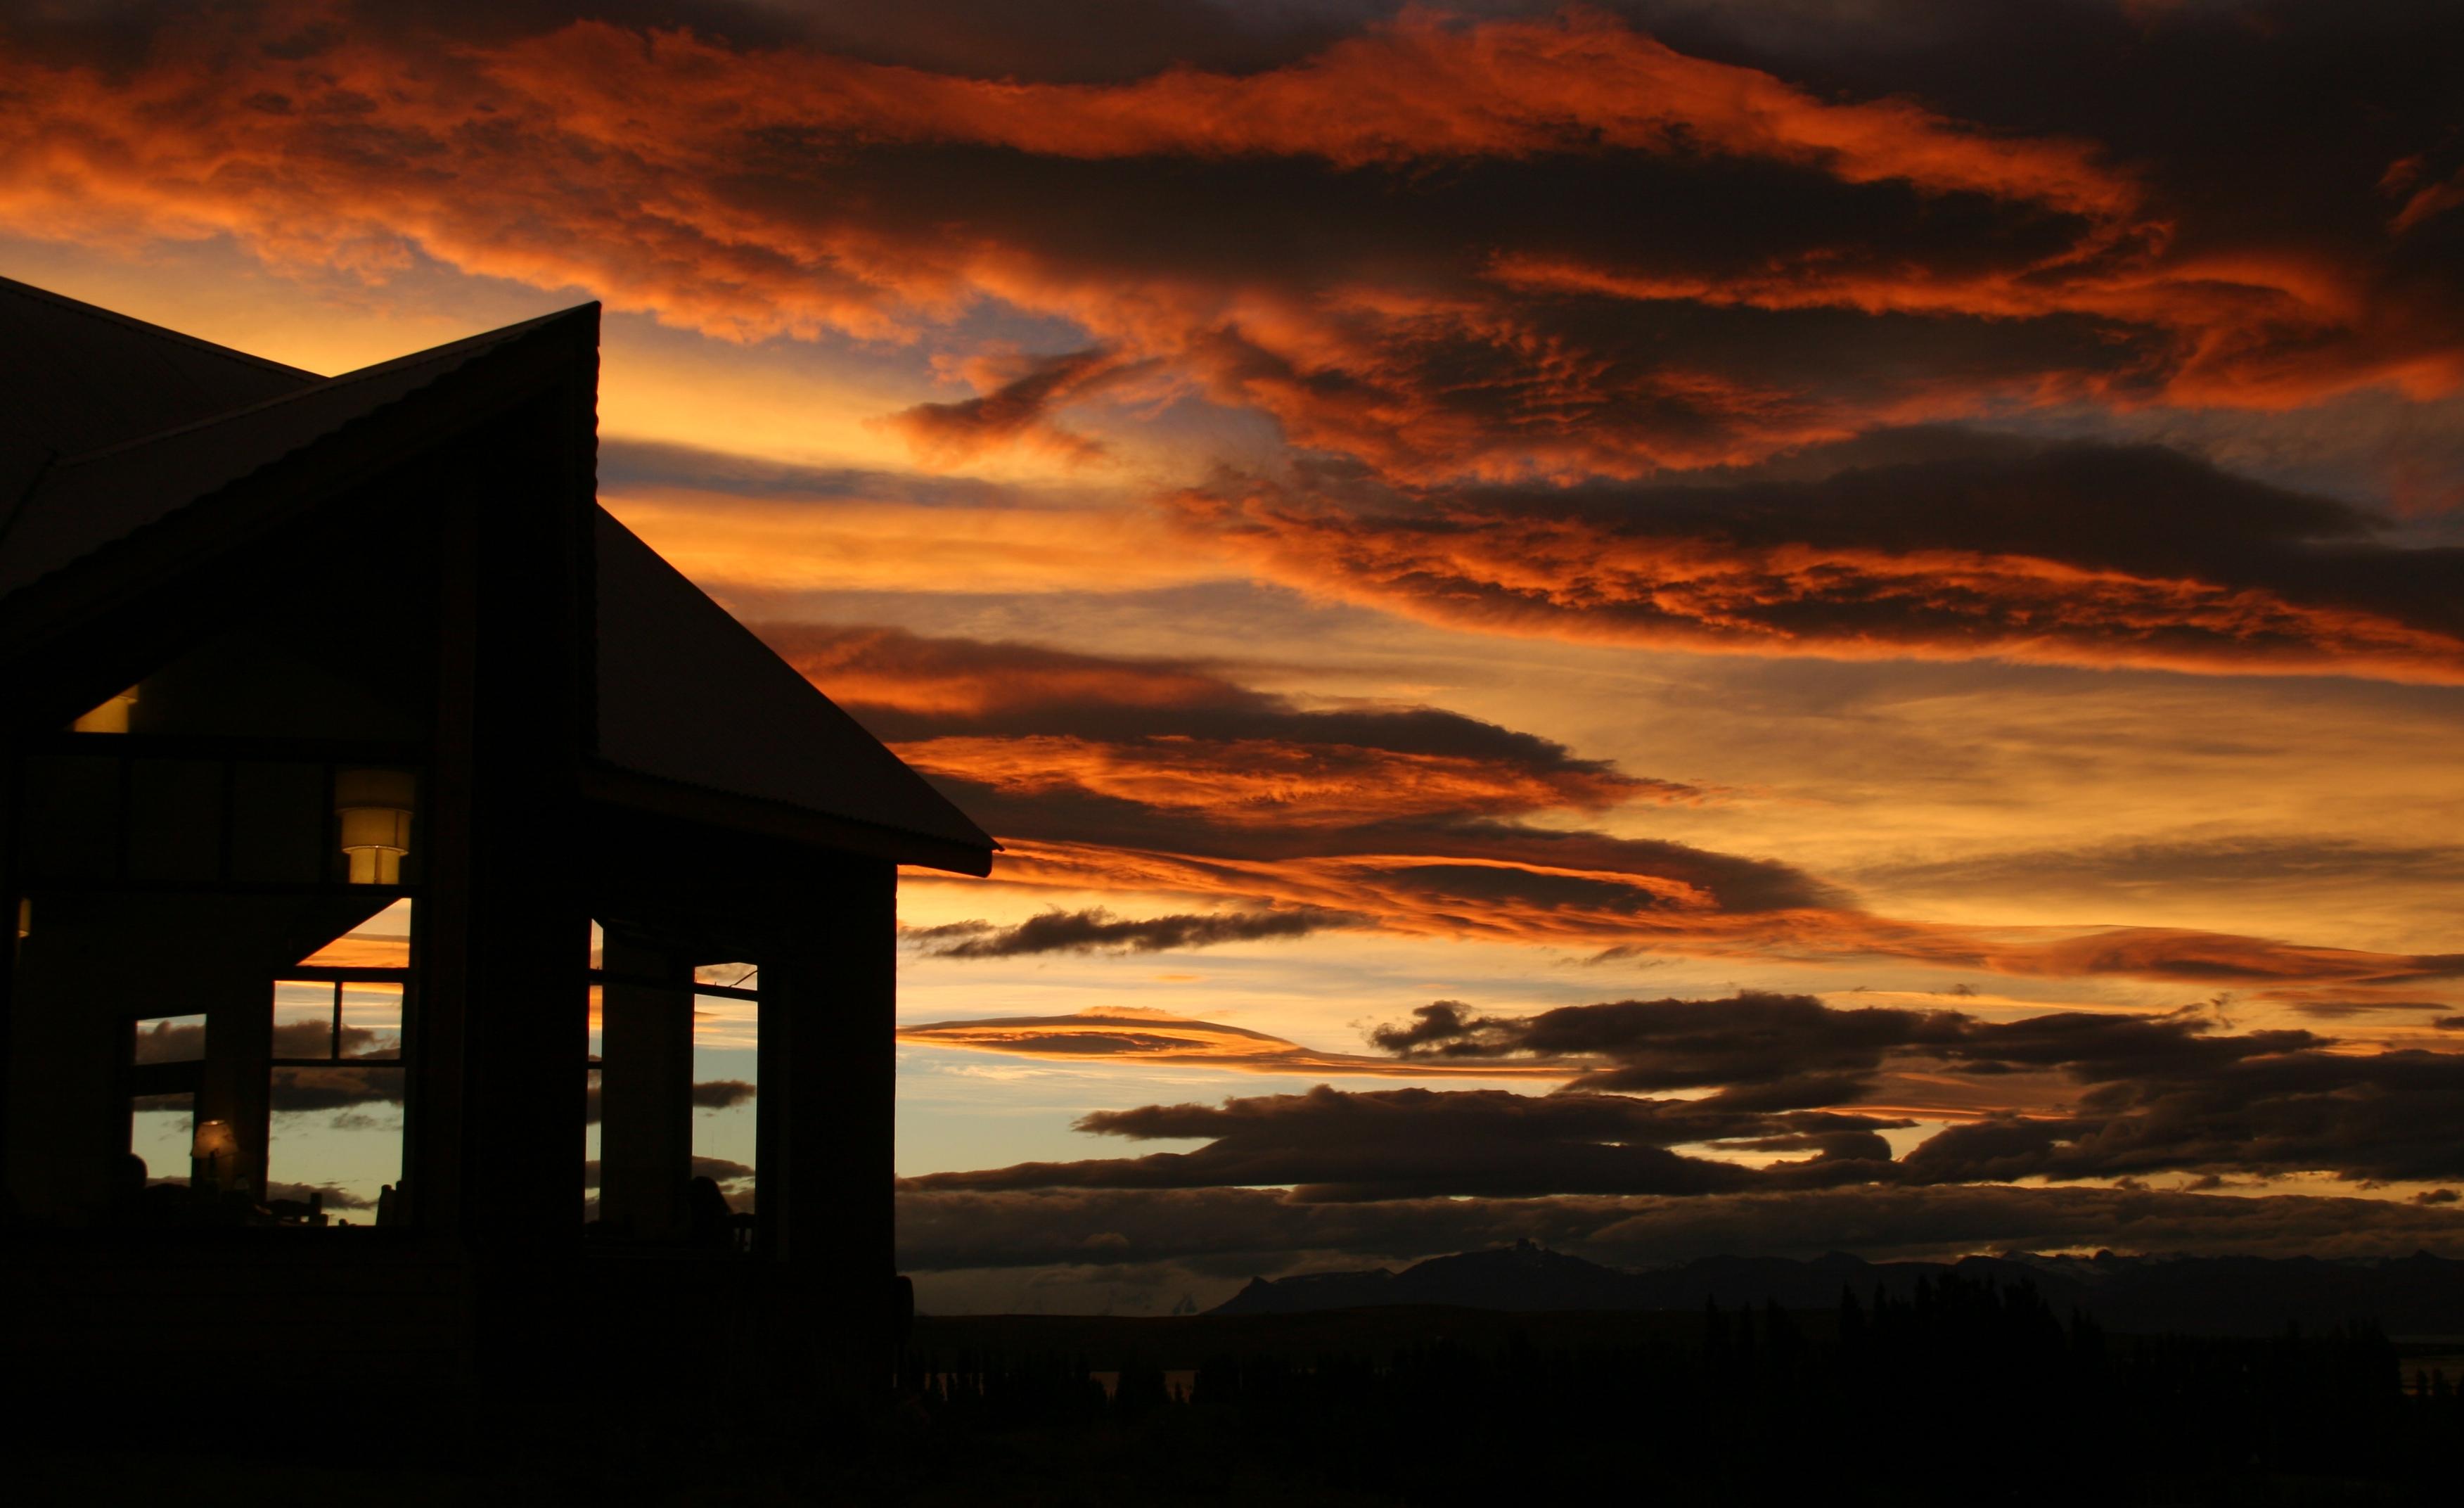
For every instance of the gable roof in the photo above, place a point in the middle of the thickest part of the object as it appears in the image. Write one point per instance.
(78, 377)
(686, 695)
(83, 502)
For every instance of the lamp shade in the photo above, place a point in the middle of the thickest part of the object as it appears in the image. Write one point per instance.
(213, 1148)
(374, 810)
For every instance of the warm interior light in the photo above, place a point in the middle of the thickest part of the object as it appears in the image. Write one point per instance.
(212, 1149)
(111, 716)
(24, 916)
(375, 807)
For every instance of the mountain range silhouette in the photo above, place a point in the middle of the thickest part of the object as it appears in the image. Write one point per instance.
(2413, 1296)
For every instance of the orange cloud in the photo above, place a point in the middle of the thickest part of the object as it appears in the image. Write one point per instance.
(1416, 88)
(1014, 403)
(1633, 911)
(2229, 321)
(1117, 1033)
(1707, 590)
(1272, 782)
(739, 190)
(2432, 199)
(894, 669)
(349, 152)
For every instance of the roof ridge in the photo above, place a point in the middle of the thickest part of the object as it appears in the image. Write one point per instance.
(96, 310)
(321, 385)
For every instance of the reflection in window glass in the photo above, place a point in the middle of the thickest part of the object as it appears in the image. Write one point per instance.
(726, 1051)
(169, 1039)
(590, 1119)
(335, 1134)
(729, 976)
(160, 1127)
(381, 942)
(371, 1021)
(303, 1019)
(319, 1021)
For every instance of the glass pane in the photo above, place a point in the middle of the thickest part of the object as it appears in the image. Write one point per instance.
(336, 1135)
(726, 1050)
(169, 1039)
(381, 942)
(729, 976)
(371, 1020)
(303, 1018)
(159, 1131)
(590, 1150)
(590, 1113)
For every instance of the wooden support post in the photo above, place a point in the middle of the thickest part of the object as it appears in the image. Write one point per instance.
(645, 1089)
(828, 1099)
(235, 1087)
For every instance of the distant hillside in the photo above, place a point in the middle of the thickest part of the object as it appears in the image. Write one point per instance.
(2414, 1296)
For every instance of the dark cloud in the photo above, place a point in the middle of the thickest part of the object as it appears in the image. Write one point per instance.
(1397, 1144)
(2151, 1094)
(718, 1093)
(909, 688)
(2360, 1117)
(2125, 870)
(334, 1195)
(1014, 407)
(2082, 554)
(1234, 1233)
(718, 1169)
(169, 1040)
(722, 1093)
(635, 465)
(2161, 1094)
(1754, 1045)
(1762, 1039)
(1096, 930)
(338, 1088)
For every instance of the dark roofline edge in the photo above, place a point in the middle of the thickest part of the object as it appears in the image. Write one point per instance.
(481, 343)
(661, 796)
(197, 342)
(302, 478)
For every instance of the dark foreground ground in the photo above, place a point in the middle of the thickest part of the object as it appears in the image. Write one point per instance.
(1959, 1395)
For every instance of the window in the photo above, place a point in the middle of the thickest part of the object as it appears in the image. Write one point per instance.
(335, 1104)
(166, 1057)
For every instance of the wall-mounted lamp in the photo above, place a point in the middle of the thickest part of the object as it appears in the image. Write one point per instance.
(111, 716)
(212, 1149)
(375, 808)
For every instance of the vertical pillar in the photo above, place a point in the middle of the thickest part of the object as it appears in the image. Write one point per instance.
(501, 1062)
(235, 1087)
(828, 1100)
(645, 1089)
(69, 1116)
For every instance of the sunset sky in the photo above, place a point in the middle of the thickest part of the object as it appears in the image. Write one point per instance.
(1673, 627)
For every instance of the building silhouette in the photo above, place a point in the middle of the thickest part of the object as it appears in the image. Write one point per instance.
(359, 763)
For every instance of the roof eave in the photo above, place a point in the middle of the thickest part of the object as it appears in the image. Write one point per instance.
(659, 796)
